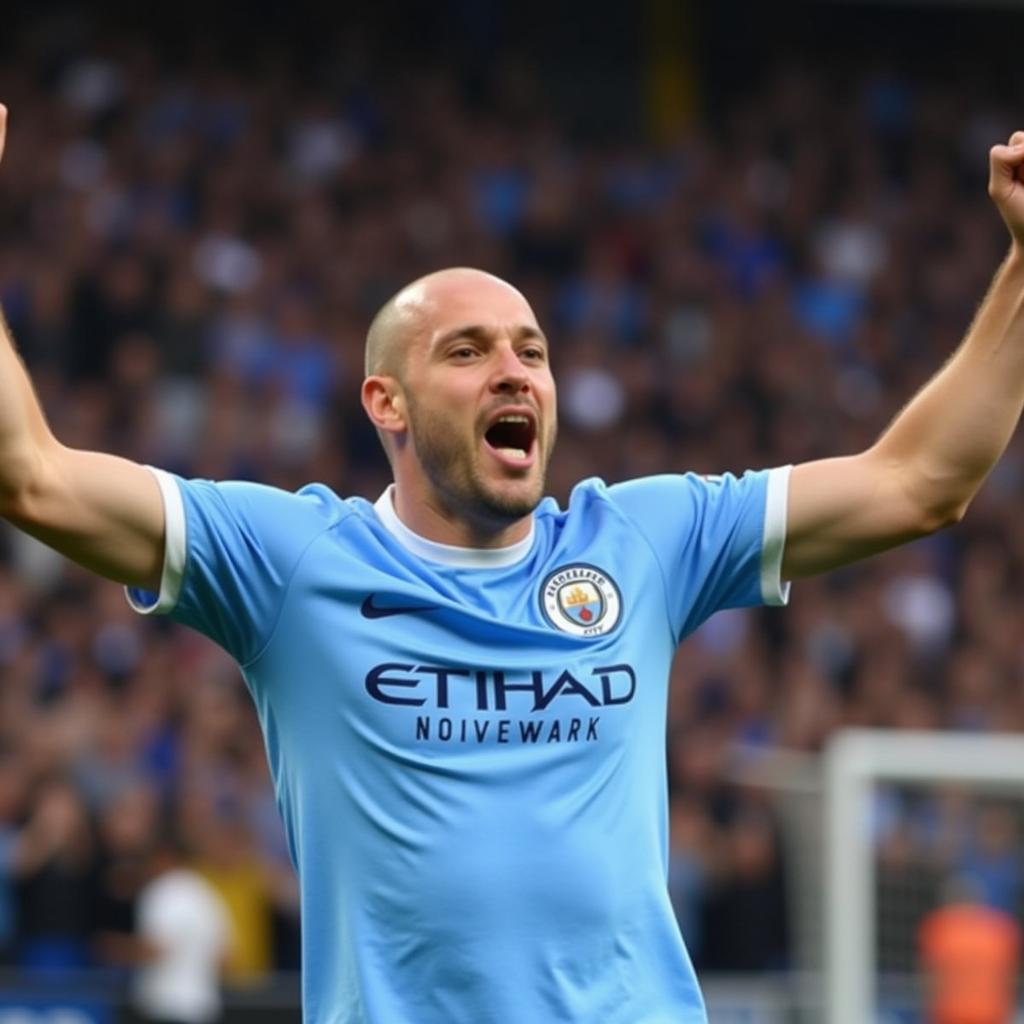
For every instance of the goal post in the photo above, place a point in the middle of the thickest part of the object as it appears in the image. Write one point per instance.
(857, 761)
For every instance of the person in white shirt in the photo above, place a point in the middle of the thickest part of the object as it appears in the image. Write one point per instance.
(183, 935)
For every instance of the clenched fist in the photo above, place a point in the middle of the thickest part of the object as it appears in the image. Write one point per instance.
(1005, 185)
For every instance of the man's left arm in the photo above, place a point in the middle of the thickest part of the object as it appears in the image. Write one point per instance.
(926, 467)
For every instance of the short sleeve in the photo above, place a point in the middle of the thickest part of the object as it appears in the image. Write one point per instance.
(230, 550)
(719, 540)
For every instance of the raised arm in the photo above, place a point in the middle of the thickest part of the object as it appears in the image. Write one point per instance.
(926, 467)
(101, 511)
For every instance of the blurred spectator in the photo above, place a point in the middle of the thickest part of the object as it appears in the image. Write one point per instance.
(128, 832)
(991, 860)
(971, 952)
(13, 852)
(248, 885)
(906, 885)
(57, 882)
(690, 857)
(746, 920)
(179, 943)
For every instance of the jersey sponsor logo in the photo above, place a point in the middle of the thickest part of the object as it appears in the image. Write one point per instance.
(443, 691)
(371, 610)
(496, 689)
(581, 600)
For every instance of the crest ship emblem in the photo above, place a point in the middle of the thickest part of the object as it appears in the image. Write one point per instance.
(581, 599)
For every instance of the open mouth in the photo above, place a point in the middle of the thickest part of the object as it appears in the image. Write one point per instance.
(512, 435)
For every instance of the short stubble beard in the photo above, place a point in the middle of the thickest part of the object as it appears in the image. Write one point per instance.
(451, 466)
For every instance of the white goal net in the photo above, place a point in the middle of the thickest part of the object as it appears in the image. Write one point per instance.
(913, 823)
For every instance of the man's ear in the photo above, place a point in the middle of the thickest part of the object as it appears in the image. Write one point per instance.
(384, 403)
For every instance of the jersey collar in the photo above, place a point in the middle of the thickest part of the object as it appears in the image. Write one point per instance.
(448, 554)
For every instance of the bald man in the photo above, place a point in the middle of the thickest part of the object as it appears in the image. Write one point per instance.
(463, 686)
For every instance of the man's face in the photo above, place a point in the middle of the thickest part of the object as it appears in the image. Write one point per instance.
(480, 400)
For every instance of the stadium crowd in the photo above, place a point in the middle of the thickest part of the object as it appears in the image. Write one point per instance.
(190, 258)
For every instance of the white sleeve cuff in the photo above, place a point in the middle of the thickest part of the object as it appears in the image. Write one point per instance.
(143, 601)
(773, 590)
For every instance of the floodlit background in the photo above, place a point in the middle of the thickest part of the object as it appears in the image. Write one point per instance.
(751, 230)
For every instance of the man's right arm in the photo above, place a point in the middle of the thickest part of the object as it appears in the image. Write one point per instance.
(103, 512)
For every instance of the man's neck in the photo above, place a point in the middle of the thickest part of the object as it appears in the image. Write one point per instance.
(431, 521)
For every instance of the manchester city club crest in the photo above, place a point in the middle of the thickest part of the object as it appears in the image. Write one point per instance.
(581, 600)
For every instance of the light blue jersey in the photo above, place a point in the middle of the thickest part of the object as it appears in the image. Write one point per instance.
(468, 746)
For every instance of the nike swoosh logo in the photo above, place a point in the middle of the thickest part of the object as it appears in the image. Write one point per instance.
(376, 611)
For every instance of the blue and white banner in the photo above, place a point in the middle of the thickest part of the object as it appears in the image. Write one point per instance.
(26, 1009)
